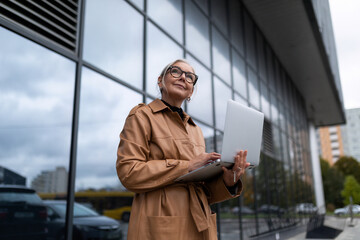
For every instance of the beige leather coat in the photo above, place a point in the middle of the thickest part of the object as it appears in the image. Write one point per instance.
(155, 148)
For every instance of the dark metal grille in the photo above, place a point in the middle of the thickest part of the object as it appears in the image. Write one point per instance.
(54, 20)
(268, 138)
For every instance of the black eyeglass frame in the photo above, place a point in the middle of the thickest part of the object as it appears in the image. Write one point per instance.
(193, 82)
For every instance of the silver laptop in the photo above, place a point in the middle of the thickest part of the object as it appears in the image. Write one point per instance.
(243, 131)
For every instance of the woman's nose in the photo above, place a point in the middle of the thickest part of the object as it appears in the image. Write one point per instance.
(183, 76)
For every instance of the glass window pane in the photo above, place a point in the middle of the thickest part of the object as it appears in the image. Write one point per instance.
(274, 109)
(168, 14)
(236, 27)
(200, 105)
(265, 100)
(138, 3)
(203, 5)
(222, 94)
(197, 33)
(270, 68)
(218, 11)
(104, 105)
(117, 50)
(277, 76)
(36, 96)
(161, 50)
(261, 55)
(221, 56)
(250, 41)
(254, 89)
(208, 137)
(282, 120)
(239, 74)
(276, 141)
(241, 100)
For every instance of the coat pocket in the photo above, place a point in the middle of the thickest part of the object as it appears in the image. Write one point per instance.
(168, 227)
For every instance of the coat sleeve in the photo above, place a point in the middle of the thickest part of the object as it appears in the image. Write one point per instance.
(135, 171)
(218, 192)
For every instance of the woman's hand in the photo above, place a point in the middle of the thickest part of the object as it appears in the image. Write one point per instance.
(202, 159)
(231, 176)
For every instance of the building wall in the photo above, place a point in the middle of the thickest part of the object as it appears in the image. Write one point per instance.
(51, 181)
(351, 132)
(118, 67)
(331, 140)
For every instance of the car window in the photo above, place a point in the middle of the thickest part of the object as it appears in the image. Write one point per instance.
(20, 197)
(82, 211)
(79, 210)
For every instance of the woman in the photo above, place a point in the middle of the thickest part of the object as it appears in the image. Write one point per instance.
(158, 144)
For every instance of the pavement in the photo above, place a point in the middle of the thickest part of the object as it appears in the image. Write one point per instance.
(348, 231)
(343, 228)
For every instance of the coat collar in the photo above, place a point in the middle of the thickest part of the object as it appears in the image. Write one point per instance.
(157, 106)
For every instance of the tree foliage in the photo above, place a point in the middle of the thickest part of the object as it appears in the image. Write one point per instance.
(351, 189)
(348, 166)
(333, 183)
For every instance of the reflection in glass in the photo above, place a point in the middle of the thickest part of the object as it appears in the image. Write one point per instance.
(168, 14)
(276, 142)
(104, 105)
(111, 43)
(236, 28)
(139, 3)
(36, 96)
(222, 94)
(282, 120)
(241, 100)
(250, 41)
(208, 137)
(203, 5)
(221, 56)
(218, 12)
(197, 32)
(201, 105)
(261, 55)
(239, 74)
(270, 68)
(274, 109)
(254, 95)
(161, 51)
(265, 100)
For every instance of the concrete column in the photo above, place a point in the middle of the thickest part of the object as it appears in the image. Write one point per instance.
(315, 162)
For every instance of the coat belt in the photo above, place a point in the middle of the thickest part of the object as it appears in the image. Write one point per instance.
(199, 207)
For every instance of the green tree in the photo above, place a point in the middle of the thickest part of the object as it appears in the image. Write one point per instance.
(351, 189)
(348, 166)
(333, 183)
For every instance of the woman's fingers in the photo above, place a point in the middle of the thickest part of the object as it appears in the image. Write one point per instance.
(214, 156)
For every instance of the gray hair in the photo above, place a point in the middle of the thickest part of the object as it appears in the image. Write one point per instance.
(166, 68)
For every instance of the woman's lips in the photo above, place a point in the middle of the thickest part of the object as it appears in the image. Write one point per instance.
(179, 85)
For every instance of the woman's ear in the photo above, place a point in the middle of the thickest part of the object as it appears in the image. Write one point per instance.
(160, 83)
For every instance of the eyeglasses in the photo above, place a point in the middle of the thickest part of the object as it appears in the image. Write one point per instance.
(176, 72)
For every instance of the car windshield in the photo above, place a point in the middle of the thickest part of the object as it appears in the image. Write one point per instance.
(17, 197)
(79, 210)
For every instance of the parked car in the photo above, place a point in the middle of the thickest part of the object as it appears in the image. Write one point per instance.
(306, 208)
(244, 210)
(271, 209)
(87, 224)
(22, 213)
(346, 210)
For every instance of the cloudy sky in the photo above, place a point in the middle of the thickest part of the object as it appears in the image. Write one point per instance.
(346, 17)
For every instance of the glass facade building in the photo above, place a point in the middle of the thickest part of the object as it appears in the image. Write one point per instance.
(68, 82)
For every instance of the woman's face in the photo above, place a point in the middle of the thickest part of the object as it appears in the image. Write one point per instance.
(176, 89)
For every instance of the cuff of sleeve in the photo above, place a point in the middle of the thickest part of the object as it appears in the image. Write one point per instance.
(236, 189)
(172, 162)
